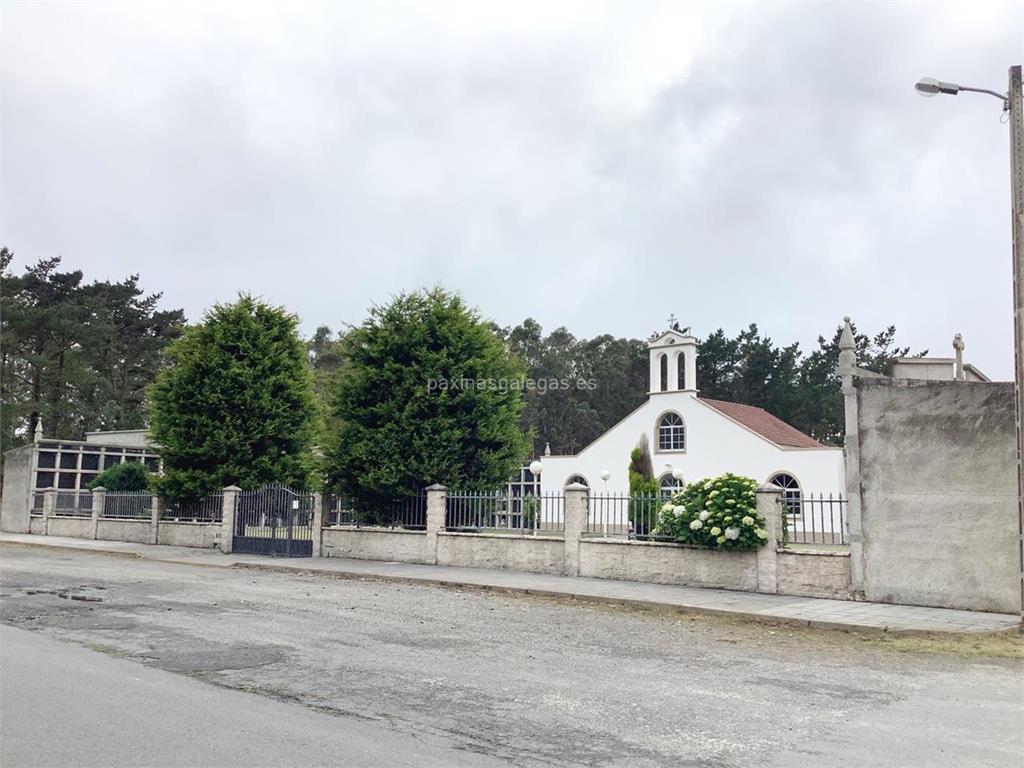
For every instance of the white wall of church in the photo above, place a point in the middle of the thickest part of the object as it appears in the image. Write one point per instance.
(714, 444)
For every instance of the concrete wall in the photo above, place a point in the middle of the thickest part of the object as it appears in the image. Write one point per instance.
(202, 535)
(134, 531)
(938, 495)
(130, 438)
(17, 490)
(814, 574)
(668, 564)
(376, 544)
(534, 554)
(75, 527)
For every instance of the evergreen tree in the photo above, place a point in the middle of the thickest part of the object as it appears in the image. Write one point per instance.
(235, 406)
(429, 394)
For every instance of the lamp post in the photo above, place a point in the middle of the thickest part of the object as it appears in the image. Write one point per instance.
(1012, 105)
(605, 474)
(535, 469)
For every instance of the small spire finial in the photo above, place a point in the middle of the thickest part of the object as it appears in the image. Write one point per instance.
(37, 435)
(547, 448)
(847, 345)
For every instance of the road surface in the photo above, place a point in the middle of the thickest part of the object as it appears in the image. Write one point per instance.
(485, 678)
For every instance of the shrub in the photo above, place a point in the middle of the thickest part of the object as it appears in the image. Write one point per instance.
(718, 513)
(642, 486)
(129, 476)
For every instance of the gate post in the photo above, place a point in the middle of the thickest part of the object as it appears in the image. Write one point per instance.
(768, 506)
(318, 524)
(155, 511)
(49, 507)
(575, 507)
(227, 532)
(99, 498)
(437, 496)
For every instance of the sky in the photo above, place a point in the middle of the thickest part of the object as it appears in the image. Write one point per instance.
(592, 165)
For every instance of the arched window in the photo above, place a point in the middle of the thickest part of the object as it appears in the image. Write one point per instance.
(664, 373)
(576, 479)
(671, 433)
(669, 485)
(790, 491)
(681, 372)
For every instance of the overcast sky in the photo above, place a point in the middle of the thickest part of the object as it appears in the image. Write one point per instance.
(593, 166)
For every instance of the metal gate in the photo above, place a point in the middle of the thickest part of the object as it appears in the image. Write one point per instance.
(274, 520)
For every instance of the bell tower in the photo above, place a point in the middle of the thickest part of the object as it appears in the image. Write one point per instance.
(673, 360)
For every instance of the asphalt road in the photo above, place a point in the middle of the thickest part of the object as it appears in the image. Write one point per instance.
(64, 705)
(465, 676)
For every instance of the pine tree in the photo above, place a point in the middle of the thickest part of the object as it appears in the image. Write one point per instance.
(429, 394)
(235, 406)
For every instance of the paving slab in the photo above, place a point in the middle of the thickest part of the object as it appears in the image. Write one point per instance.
(812, 611)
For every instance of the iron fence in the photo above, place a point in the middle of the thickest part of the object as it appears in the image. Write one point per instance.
(73, 504)
(815, 520)
(613, 515)
(206, 509)
(127, 505)
(409, 512)
(476, 511)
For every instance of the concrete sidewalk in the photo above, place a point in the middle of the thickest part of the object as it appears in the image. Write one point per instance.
(811, 611)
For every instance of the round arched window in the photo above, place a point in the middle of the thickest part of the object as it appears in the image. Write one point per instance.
(791, 496)
(668, 485)
(577, 479)
(671, 433)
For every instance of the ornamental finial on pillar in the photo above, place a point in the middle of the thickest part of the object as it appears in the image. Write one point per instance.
(847, 354)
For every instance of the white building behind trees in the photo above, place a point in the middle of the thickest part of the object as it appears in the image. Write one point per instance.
(698, 436)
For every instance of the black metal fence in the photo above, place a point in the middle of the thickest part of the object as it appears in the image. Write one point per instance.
(73, 504)
(626, 516)
(207, 509)
(127, 505)
(409, 512)
(479, 511)
(815, 520)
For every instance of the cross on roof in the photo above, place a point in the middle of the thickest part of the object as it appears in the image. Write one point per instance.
(672, 320)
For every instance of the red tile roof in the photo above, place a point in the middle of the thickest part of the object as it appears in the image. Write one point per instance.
(766, 425)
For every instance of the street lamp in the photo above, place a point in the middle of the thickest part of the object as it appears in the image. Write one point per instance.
(535, 469)
(1011, 101)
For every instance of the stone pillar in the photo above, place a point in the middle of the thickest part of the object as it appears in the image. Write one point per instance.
(318, 524)
(437, 502)
(156, 512)
(49, 505)
(227, 531)
(575, 506)
(851, 455)
(99, 499)
(770, 508)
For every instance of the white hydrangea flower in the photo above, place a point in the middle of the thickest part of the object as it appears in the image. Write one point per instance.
(748, 520)
(761, 533)
(732, 533)
(666, 507)
(696, 525)
(678, 509)
(716, 531)
(704, 515)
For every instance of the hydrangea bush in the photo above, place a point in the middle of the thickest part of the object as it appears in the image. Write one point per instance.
(718, 513)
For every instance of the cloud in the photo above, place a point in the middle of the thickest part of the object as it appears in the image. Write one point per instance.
(592, 166)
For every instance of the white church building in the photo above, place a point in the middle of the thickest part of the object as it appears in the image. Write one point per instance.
(693, 437)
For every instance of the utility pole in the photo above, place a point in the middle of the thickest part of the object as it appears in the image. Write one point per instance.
(1016, 111)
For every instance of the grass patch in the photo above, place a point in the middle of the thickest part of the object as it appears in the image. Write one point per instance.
(1000, 645)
